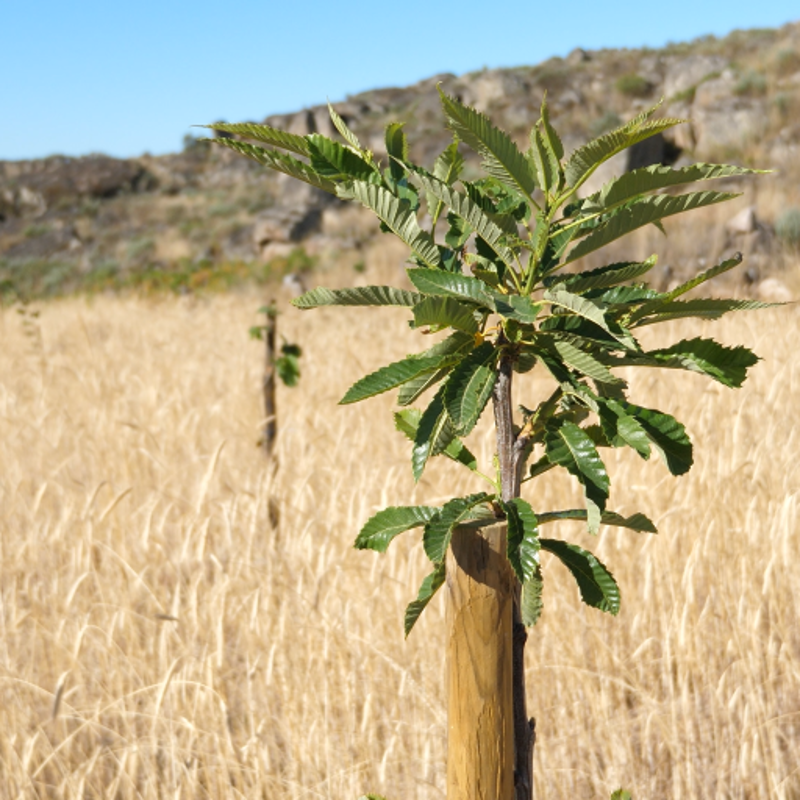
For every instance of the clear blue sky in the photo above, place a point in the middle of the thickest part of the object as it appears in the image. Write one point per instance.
(131, 77)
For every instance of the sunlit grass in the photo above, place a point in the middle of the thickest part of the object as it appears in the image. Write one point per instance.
(161, 638)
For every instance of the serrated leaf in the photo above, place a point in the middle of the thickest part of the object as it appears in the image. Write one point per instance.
(394, 375)
(572, 448)
(650, 179)
(522, 539)
(728, 365)
(434, 434)
(457, 343)
(643, 212)
(636, 522)
(583, 161)
(501, 157)
(357, 296)
(547, 165)
(704, 308)
(449, 284)
(396, 148)
(280, 162)
(704, 276)
(439, 531)
(621, 428)
(597, 585)
(588, 310)
(344, 131)
(472, 213)
(264, 133)
(407, 422)
(469, 388)
(447, 167)
(445, 312)
(667, 435)
(430, 586)
(517, 307)
(398, 217)
(379, 531)
(531, 603)
(583, 362)
(337, 162)
(603, 277)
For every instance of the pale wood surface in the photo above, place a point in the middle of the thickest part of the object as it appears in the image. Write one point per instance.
(480, 748)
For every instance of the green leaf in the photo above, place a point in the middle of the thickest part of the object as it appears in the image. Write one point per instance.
(597, 585)
(439, 531)
(667, 435)
(501, 157)
(572, 448)
(603, 277)
(472, 213)
(357, 296)
(707, 275)
(621, 428)
(434, 434)
(704, 308)
(588, 310)
(469, 388)
(266, 134)
(649, 179)
(522, 540)
(447, 167)
(450, 284)
(728, 365)
(643, 212)
(379, 531)
(287, 365)
(344, 131)
(531, 598)
(547, 152)
(580, 360)
(621, 794)
(585, 160)
(407, 422)
(457, 343)
(398, 217)
(445, 312)
(517, 307)
(337, 162)
(397, 149)
(429, 587)
(636, 522)
(393, 375)
(281, 162)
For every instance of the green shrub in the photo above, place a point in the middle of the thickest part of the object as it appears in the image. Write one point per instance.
(751, 84)
(633, 85)
(787, 226)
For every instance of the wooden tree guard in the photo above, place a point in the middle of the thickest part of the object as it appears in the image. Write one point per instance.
(480, 736)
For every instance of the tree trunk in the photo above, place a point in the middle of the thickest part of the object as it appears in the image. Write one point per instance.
(480, 736)
(510, 449)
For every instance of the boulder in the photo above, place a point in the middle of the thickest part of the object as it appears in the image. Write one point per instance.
(722, 120)
(683, 73)
(744, 222)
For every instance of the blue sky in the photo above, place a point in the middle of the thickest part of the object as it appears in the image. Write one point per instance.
(125, 78)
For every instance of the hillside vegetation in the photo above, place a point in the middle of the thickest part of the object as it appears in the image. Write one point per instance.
(204, 218)
(161, 637)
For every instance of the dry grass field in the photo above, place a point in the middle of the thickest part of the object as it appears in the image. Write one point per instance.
(161, 639)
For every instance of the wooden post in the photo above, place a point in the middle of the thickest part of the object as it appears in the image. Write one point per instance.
(480, 712)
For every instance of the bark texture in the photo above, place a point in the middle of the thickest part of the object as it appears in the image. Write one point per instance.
(510, 450)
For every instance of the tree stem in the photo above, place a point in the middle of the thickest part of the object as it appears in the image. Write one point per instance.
(510, 449)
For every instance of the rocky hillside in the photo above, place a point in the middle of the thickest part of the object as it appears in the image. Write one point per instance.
(207, 216)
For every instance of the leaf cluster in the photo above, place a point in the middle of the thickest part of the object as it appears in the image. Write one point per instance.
(487, 270)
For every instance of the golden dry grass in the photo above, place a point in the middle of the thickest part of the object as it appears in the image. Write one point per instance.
(161, 640)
